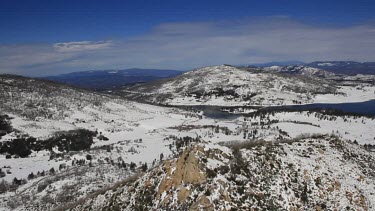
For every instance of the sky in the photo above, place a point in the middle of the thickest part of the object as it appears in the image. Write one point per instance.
(39, 38)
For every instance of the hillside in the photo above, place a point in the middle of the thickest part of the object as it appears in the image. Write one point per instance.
(233, 86)
(51, 132)
(41, 98)
(317, 173)
(301, 70)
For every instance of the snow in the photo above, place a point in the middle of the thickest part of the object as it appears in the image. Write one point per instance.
(325, 64)
(352, 94)
(295, 85)
(125, 123)
(21, 167)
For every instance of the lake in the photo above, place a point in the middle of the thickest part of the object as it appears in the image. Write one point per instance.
(360, 108)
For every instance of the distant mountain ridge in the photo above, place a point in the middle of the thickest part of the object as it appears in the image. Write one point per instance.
(283, 63)
(345, 67)
(109, 79)
(337, 67)
(114, 79)
(300, 70)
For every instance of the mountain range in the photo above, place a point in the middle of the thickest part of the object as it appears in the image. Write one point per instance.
(115, 79)
(110, 79)
(345, 67)
(337, 67)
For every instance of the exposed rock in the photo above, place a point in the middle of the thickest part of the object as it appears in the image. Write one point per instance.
(269, 177)
(184, 171)
(183, 194)
(202, 204)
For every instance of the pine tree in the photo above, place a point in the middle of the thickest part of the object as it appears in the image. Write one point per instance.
(144, 167)
(52, 171)
(31, 176)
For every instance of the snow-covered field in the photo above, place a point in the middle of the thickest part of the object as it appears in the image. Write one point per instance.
(126, 123)
(352, 94)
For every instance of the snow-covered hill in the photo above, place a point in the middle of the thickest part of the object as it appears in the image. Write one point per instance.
(51, 133)
(312, 173)
(230, 86)
(301, 70)
(33, 98)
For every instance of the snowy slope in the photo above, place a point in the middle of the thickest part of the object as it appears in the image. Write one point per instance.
(300, 70)
(230, 86)
(320, 173)
(41, 109)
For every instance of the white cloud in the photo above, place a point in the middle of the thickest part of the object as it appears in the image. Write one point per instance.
(81, 46)
(190, 45)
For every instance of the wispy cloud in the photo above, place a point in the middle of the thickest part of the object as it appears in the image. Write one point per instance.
(190, 45)
(81, 46)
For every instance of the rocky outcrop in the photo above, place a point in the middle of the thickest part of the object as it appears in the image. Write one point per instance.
(320, 173)
(185, 170)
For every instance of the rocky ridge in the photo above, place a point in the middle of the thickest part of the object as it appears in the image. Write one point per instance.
(313, 173)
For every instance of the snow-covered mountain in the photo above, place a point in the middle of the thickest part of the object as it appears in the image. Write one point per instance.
(345, 67)
(300, 70)
(312, 173)
(230, 86)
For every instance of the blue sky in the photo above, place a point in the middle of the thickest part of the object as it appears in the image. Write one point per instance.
(53, 37)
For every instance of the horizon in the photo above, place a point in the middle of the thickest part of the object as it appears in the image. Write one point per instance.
(42, 38)
(265, 64)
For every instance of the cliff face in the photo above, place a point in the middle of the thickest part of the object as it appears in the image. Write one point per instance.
(311, 174)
